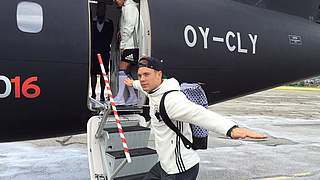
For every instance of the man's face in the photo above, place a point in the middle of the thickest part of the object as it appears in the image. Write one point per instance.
(119, 3)
(149, 79)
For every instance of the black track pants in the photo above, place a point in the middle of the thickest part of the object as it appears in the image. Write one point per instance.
(157, 172)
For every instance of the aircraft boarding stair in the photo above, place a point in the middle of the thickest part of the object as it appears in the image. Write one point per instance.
(107, 159)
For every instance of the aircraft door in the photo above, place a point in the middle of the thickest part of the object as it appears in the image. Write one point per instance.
(141, 33)
(145, 30)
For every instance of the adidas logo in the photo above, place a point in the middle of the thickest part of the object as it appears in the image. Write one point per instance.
(130, 57)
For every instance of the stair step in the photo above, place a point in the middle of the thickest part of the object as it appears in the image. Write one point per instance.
(126, 129)
(133, 152)
(130, 109)
(136, 136)
(113, 124)
(126, 120)
(132, 177)
(143, 159)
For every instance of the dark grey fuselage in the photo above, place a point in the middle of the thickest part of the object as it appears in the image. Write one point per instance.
(232, 48)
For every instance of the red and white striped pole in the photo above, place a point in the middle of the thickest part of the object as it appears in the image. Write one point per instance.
(114, 110)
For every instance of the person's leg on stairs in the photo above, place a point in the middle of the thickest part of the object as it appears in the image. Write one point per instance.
(93, 86)
(119, 99)
(102, 86)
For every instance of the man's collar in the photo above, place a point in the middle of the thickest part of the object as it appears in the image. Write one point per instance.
(156, 89)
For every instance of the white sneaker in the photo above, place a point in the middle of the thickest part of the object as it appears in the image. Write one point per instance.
(132, 100)
(119, 100)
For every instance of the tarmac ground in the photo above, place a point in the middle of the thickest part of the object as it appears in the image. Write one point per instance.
(290, 118)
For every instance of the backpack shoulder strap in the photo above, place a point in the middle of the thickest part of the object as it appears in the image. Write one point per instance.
(169, 123)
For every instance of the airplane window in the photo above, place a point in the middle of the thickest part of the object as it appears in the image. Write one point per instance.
(29, 17)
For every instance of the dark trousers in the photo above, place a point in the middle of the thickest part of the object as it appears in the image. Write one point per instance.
(157, 173)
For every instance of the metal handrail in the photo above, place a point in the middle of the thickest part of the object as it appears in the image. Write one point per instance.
(106, 113)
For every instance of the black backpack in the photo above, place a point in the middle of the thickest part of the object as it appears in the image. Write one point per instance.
(198, 142)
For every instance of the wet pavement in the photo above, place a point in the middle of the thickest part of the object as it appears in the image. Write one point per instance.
(290, 118)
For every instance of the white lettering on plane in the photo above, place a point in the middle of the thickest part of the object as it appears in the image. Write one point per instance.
(7, 86)
(205, 37)
(230, 35)
(186, 37)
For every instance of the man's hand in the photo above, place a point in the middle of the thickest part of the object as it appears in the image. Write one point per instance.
(241, 133)
(128, 82)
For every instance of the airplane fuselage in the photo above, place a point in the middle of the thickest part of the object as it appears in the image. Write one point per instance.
(231, 48)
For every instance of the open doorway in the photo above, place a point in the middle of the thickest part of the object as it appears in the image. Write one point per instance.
(109, 37)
